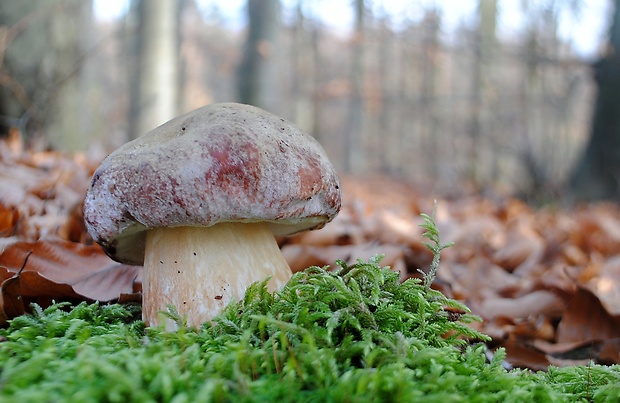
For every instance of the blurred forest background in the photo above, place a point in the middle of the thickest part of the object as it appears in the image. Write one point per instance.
(457, 106)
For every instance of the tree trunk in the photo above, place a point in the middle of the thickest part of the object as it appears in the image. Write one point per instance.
(481, 84)
(304, 56)
(597, 175)
(158, 56)
(40, 79)
(70, 38)
(383, 147)
(431, 68)
(353, 132)
(256, 74)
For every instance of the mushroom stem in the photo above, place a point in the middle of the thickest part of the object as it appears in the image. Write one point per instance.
(199, 270)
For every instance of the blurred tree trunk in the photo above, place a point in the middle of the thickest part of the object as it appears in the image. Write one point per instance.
(539, 142)
(481, 84)
(304, 55)
(407, 103)
(431, 68)
(384, 145)
(42, 53)
(373, 140)
(70, 38)
(597, 174)
(156, 92)
(21, 63)
(317, 101)
(87, 80)
(528, 117)
(353, 132)
(256, 73)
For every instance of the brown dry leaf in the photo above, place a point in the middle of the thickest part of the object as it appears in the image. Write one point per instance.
(55, 269)
(12, 194)
(8, 220)
(374, 193)
(300, 257)
(27, 287)
(474, 236)
(606, 285)
(480, 278)
(12, 307)
(532, 304)
(573, 255)
(610, 352)
(43, 188)
(341, 231)
(539, 327)
(558, 277)
(390, 227)
(598, 229)
(74, 229)
(522, 251)
(581, 353)
(499, 328)
(522, 355)
(585, 319)
(552, 348)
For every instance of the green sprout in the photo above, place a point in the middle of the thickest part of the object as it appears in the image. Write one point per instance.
(432, 234)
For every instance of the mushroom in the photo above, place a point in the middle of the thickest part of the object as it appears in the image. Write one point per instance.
(199, 200)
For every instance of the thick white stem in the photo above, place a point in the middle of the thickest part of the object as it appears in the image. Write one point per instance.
(200, 270)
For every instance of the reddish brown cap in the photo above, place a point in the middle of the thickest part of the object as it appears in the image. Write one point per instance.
(220, 163)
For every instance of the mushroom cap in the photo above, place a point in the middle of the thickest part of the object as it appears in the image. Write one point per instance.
(223, 162)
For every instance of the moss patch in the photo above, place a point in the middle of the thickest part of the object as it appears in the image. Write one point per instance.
(356, 334)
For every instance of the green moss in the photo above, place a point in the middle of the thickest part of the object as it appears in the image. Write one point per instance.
(356, 334)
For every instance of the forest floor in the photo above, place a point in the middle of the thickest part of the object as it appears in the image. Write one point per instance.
(546, 281)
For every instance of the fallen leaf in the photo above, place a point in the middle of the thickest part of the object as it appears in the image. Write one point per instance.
(585, 319)
(610, 352)
(540, 302)
(299, 256)
(522, 249)
(13, 305)
(522, 355)
(55, 269)
(479, 278)
(8, 220)
(341, 231)
(603, 351)
(552, 348)
(535, 327)
(606, 285)
(28, 287)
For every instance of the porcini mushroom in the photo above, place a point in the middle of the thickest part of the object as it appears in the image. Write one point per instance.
(198, 202)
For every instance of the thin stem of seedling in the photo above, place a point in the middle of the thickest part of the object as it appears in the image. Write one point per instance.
(291, 351)
(275, 356)
(432, 234)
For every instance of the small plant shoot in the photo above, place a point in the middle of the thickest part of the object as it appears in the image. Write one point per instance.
(435, 245)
